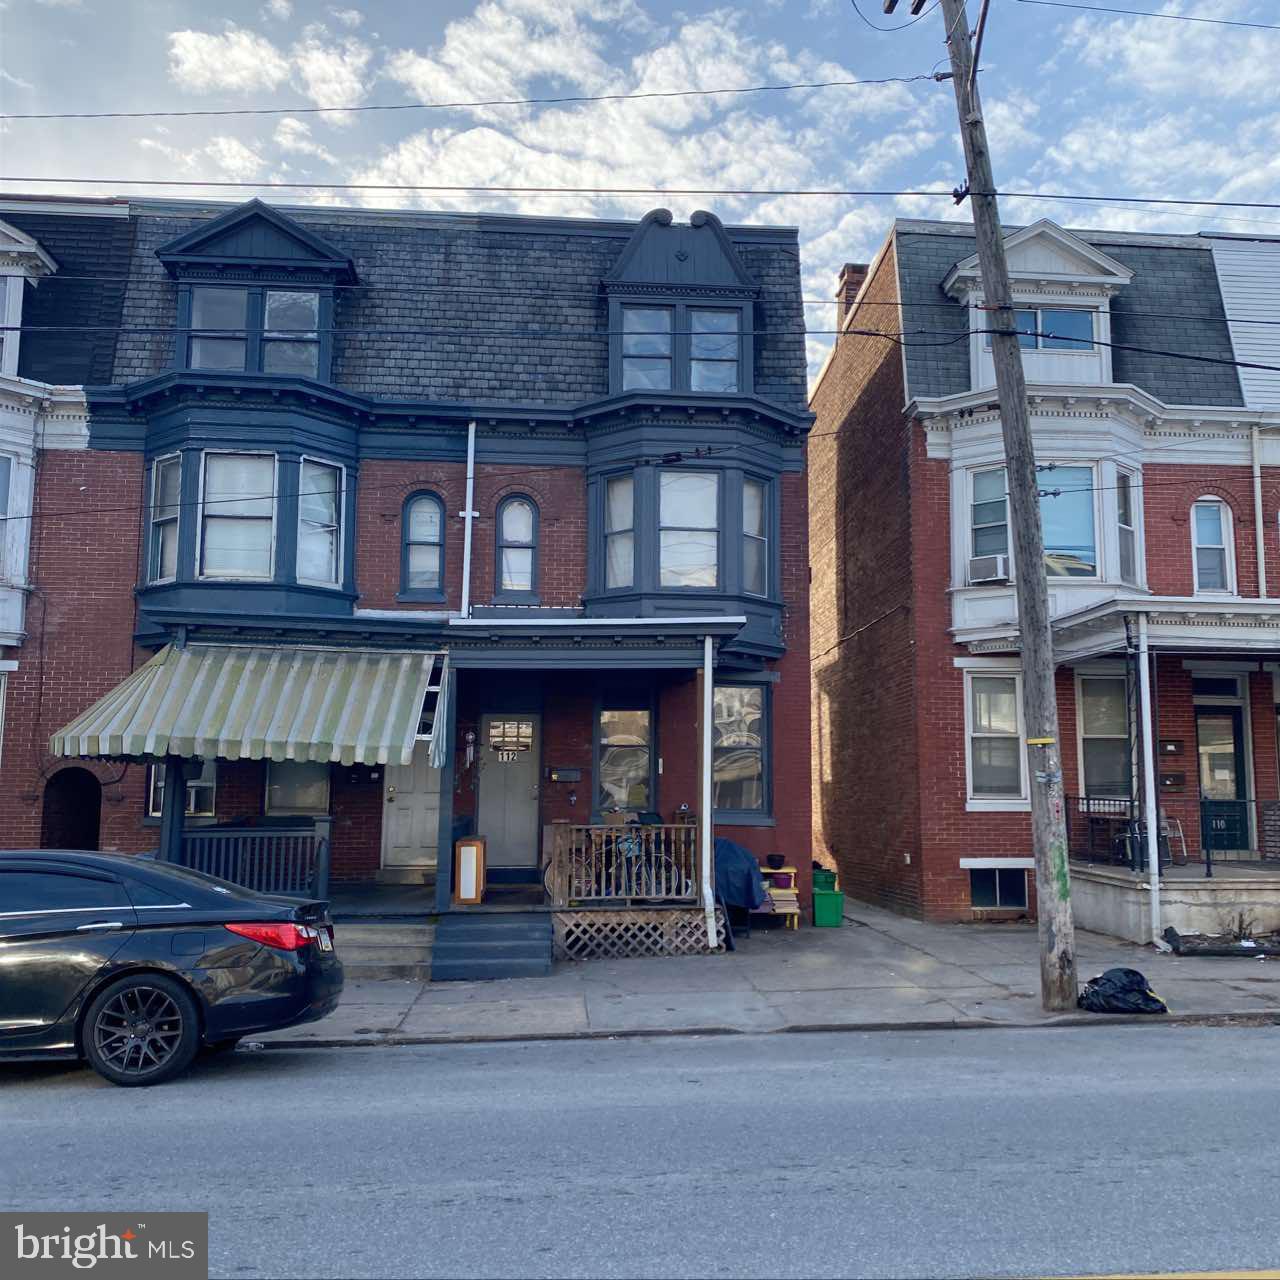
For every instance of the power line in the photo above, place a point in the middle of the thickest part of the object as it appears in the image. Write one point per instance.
(1147, 13)
(744, 192)
(901, 26)
(566, 100)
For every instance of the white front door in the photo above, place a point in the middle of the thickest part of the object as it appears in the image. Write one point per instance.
(411, 812)
(508, 803)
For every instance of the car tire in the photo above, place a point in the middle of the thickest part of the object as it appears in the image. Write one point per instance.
(141, 1030)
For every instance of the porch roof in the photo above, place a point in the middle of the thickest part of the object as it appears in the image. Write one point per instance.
(237, 702)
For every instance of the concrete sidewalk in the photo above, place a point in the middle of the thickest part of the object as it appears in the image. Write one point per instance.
(880, 971)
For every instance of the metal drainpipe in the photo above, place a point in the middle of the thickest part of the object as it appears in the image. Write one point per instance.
(1260, 540)
(1149, 805)
(708, 710)
(467, 516)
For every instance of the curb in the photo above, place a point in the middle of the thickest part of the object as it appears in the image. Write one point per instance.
(1065, 1021)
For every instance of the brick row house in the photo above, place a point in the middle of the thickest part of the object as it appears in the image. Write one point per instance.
(382, 530)
(1160, 491)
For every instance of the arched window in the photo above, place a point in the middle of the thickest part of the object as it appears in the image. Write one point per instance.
(517, 544)
(1212, 549)
(422, 558)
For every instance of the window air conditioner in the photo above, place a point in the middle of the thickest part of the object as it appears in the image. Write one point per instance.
(988, 569)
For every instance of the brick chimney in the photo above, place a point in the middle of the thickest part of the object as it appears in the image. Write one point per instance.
(852, 274)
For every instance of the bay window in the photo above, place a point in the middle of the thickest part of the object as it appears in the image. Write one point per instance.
(6, 486)
(320, 523)
(619, 531)
(688, 529)
(739, 749)
(237, 515)
(994, 717)
(165, 512)
(1066, 513)
(1105, 762)
(1126, 528)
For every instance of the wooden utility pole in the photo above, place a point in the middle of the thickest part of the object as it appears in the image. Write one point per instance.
(1039, 700)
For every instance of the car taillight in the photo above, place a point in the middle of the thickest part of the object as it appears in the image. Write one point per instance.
(284, 937)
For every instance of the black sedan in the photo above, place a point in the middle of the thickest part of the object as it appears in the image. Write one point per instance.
(137, 965)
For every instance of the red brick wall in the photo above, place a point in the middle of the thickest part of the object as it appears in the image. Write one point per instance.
(80, 623)
(559, 492)
(867, 733)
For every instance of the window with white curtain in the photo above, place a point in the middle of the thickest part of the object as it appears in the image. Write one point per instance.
(1211, 548)
(1126, 528)
(320, 523)
(755, 537)
(517, 545)
(165, 508)
(237, 515)
(422, 565)
(688, 528)
(619, 532)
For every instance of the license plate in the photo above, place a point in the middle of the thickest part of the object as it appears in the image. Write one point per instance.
(326, 939)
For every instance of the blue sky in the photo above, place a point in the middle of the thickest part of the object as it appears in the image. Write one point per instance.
(1074, 102)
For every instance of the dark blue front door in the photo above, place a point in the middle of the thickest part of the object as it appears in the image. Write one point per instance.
(1224, 804)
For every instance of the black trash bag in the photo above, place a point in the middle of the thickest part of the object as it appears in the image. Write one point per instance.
(1120, 991)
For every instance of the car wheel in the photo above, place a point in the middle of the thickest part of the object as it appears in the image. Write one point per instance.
(141, 1030)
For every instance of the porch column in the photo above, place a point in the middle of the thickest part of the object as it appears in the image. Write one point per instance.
(173, 807)
(444, 842)
(708, 835)
(1150, 807)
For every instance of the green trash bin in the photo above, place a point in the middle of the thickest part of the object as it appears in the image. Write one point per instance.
(823, 879)
(828, 908)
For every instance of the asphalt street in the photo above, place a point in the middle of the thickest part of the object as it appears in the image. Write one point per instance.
(1032, 1152)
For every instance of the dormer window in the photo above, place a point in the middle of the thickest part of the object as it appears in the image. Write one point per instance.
(255, 330)
(1054, 329)
(681, 348)
(647, 348)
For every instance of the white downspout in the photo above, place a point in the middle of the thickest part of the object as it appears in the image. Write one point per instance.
(1260, 540)
(467, 517)
(1149, 808)
(708, 710)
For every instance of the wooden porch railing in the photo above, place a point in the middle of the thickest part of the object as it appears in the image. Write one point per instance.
(621, 865)
(290, 859)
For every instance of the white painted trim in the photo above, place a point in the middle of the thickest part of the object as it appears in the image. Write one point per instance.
(151, 507)
(8, 664)
(998, 864)
(992, 665)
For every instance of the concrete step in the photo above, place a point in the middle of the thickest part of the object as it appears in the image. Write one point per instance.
(474, 969)
(384, 950)
(391, 933)
(490, 949)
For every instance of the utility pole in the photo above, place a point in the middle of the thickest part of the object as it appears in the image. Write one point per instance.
(1039, 700)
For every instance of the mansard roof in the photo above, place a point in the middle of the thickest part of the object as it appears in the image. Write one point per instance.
(692, 257)
(256, 239)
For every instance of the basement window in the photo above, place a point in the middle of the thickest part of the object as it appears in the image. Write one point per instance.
(1000, 887)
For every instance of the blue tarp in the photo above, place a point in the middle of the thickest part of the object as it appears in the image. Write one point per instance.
(738, 879)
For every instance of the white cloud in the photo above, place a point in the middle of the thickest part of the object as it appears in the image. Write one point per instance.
(331, 73)
(295, 136)
(238, 60)
(61, 4)
(278, 9)
(16, 81)
(348, 17)
(233, 160)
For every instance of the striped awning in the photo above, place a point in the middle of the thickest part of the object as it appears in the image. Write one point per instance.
(235, 702)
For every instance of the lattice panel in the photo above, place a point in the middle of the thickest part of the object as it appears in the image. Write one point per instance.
(612, 935)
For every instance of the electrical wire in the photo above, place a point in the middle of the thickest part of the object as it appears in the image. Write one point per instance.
(741, 192)
(566, 100)
(1147, 13)
(901, 26)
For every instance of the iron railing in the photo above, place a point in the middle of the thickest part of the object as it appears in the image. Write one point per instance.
(623, 864)
(290, 858)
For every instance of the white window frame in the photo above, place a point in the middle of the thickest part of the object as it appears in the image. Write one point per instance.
(11, 316)
(1045, 482)
(275, 515)
(6, 508)
(1228, 543)
(1133, 528)
(271, 811)
(6, 666)
(339, 559)
(152, 577)
(154, 791)
(1038, 308)
(1099, 672)
(994, 804)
